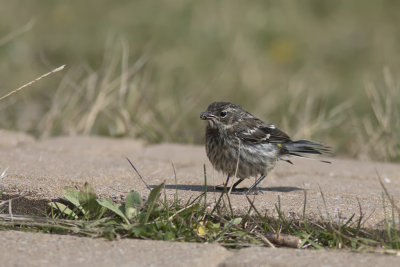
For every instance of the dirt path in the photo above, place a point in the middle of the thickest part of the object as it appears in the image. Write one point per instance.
(44, 168)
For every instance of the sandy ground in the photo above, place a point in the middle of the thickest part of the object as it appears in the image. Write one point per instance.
(43, 168)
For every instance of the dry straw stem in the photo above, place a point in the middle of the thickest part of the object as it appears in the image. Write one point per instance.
(138, 173)
(284, 239)
(32, 82)
(12, 35)
(237, 167)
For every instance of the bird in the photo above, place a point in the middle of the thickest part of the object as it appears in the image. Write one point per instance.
(241, 145)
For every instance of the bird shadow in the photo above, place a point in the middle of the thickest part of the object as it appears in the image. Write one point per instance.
(200, 188)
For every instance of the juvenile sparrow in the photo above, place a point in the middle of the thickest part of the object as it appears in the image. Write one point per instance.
(241, 145)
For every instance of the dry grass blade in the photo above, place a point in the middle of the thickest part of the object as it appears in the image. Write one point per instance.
(390, 197)
(265, 240)
(205, 184)
(4, 202)
(140, 176)
(237, 165)
(36, 221)
(179, 211)
(328, 216)
(12, 35)
(32, 82)
(284, 240)
(4, 173)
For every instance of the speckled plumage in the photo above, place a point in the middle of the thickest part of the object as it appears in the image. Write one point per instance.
(232, 131)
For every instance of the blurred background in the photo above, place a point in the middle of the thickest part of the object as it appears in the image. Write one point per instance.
(325, 70)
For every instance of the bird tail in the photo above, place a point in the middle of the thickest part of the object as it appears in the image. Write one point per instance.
(301, 147)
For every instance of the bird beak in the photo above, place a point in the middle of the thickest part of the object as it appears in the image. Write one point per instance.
(206, 115)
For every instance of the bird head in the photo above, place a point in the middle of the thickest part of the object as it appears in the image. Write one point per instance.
(222, 115)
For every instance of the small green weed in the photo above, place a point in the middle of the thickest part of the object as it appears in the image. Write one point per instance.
(150, 219)
(83, 213)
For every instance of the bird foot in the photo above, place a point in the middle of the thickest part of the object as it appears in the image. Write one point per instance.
(239, 191)
(253, 191)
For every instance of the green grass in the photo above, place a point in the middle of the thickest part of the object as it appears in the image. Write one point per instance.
(83, 213)
(319, 70)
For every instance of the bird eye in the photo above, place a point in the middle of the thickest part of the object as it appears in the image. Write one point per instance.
(222, 114)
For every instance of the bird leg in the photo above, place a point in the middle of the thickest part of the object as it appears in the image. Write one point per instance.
(224, 186)
(227, 180)
(251, 190)
(254, 186)
(236, 184)
(234, 189)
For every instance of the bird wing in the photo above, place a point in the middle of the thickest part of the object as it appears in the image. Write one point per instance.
(255, 131)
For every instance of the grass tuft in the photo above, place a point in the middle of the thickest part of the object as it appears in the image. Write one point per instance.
(83, 213)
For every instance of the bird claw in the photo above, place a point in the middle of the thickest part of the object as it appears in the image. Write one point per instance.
(239, 191)
(254, 191)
